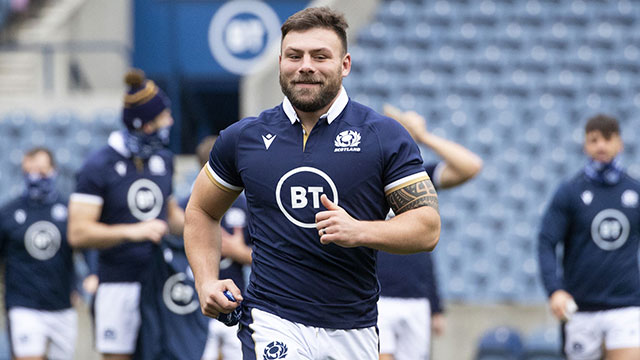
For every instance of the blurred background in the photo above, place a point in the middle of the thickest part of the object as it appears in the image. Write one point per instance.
(512, 80)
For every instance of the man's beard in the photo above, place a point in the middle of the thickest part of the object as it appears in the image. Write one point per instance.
(324, 94)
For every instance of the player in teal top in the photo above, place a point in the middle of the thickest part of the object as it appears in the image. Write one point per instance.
(320, 173)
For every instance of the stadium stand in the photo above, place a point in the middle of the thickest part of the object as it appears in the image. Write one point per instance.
(71, 136)
(510, 80)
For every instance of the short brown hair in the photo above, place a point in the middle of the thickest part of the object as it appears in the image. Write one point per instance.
(607, 125)
(317, 17)
(39, 149)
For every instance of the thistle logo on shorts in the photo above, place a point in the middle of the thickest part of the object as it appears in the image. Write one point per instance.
(179, 295)
(144, 199)
(109, 334)
(577, 348)
(275, 350)
(298, 194)
(347, 140)
(42, 240)
(610, 229)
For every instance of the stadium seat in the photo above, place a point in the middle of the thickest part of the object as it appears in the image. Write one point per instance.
(60, 123)
(105, 121)
(502, 343)
(5, 352)
(543, 344)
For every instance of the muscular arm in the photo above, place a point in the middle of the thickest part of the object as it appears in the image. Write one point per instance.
(85, 230)
(415, 228)
(202, 242)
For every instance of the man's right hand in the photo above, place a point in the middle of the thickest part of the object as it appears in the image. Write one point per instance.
(558, 303)
(152, 230)
(212, 298)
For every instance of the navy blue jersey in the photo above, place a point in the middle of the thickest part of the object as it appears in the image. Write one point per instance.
(599, 228)
(110, 178)
(354, 156)
(411, 276)
(172, 326)
(38, 259)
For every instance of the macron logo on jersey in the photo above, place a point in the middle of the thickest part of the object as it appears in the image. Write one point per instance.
(347, 140)
(268, 139)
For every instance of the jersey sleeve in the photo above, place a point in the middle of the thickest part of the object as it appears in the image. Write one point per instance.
(91, 259)
(434, 170)
(553, 230)
(401, 156)
(222, 167)
(90, 184)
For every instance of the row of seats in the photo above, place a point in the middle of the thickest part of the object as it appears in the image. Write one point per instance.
(513, 81)
(71, 136)
(505, 343)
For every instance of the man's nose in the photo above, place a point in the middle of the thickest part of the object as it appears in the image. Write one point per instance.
(307, 64)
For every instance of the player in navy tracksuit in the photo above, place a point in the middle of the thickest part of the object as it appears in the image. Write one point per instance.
(39, 270)
(313, 288)
(123, 206)
(172, 328)
(595, 216)
(236, 254)
(409, 304)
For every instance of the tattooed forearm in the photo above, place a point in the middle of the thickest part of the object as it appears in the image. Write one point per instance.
(413, 196)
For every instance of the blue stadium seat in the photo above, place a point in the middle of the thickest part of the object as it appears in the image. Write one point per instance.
(104, 121)
(60, 123)
(5, 352)
(543, 344)
(500, 343)
(16, 122)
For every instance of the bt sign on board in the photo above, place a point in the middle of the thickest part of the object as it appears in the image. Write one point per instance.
(240, 33)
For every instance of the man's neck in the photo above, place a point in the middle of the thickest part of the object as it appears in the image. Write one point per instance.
(310, 119)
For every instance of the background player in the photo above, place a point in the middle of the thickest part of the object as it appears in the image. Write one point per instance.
(595, 217)
(39, 270)
(123, 205)
(409, 302)
(235, 254)
(313, 288)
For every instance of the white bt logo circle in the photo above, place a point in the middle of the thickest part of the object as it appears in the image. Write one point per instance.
(42, 240)
(178, 295)
(145, 199)
(610, 229)
(304, 196)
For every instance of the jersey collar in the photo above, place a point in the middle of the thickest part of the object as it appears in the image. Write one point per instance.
(334, 111)
(116, 141)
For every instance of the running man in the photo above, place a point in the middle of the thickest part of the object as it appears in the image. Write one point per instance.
(320, 172)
